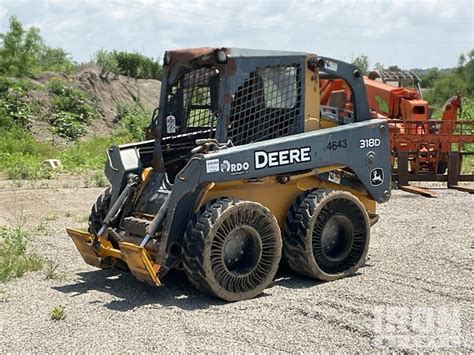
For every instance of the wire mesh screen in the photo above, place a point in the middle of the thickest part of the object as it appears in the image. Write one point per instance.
(197, 98)
(267, 105)
(189, 104)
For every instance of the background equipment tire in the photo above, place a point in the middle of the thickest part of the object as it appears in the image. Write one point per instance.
(99, 211)
(232, 249)
(326, 235)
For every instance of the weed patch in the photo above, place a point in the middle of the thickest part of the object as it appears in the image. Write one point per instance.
(15, 260)
(51, 269)
(58, 313)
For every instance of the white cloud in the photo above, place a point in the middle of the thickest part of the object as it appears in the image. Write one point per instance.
(3, 17)
(408, 33)
(68, 24)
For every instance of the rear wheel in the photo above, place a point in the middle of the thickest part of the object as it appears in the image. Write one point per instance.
(232, 249)
(326, 234)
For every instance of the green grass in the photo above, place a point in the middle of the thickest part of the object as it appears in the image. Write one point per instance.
(21, 156)
(15, 260)
(87, 155)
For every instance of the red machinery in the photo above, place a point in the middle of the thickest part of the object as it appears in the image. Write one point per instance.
(422, 149)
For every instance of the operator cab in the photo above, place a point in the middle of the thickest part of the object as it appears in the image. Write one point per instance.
(228, 97)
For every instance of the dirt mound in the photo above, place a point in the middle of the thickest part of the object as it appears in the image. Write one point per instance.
(108, 92)
(105, 94)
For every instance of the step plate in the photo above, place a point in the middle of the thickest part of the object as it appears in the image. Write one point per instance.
(139, 263)
(83, 242)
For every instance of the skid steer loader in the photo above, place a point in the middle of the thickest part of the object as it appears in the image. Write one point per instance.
(244, 167)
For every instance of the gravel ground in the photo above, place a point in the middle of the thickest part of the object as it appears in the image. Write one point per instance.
(420, 260)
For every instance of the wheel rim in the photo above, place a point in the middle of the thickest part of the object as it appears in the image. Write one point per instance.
(242, 250)
(248, 236)
(339, 236)
(336, 238)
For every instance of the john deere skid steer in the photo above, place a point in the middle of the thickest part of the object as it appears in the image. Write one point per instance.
(245, 167)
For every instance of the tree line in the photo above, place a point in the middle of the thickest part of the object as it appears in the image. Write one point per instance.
(24, 53)
(438, 84)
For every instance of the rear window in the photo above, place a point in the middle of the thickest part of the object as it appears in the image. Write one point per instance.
(279, 86)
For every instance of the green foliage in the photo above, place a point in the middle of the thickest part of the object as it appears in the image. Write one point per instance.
(7, 83)
(67, 125)
(378, 66)
(132, 64)
(444, 88)
(445, 84)
(362, 62)
(133, 119)
(58, 313)
(465, 71)
(107, 62)
(71, 110)
(23, 52)
(137, 65)
(56, 60)
(430, 77)
(20, 49)
(15, 261)
(467, 112)
(15, 107)
(68, 99)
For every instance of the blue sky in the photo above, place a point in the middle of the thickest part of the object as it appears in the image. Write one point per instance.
(418, 33)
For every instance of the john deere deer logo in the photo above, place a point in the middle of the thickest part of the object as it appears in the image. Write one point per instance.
(376, 177)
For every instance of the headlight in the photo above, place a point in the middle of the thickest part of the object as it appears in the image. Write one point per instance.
(221, 56)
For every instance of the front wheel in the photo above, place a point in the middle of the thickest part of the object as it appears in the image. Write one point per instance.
(232, 249)
(99, 211)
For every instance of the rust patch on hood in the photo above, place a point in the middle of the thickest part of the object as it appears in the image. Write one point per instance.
(188, 54)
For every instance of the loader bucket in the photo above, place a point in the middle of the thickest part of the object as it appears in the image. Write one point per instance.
(83, 242)
(139, 263)
(136, 257)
